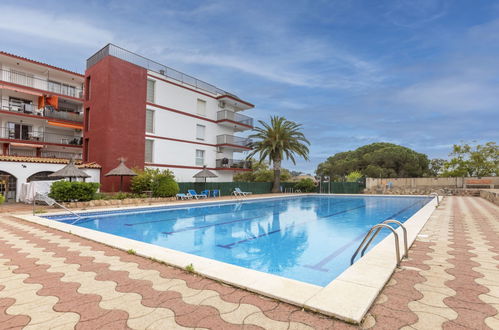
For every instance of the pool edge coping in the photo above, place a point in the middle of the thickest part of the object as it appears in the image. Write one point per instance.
(348, 297)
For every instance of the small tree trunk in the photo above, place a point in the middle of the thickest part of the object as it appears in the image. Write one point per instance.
(276, 188)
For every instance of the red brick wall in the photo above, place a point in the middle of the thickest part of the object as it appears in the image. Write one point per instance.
(116, 122)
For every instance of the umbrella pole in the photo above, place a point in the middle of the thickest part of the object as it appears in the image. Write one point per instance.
(121, 183)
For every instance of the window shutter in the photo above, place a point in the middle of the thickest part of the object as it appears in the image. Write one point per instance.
(201, 107)
(150, 90)
(200, 132)
(148, 153)
(149, 121)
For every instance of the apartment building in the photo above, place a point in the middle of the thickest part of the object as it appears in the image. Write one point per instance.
(41, 114)
(157, 117)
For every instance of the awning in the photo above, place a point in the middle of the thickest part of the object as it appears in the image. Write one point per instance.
(55, 123)
(17, 89)
(29, 145)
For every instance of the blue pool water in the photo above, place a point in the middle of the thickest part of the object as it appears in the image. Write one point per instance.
(307, 238)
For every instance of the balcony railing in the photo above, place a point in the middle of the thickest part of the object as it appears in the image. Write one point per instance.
(29, 80)
(31, 109)
(233, 163)
(148, 64)
(60, 154)
(235, 141)
(38, 136)
(234, 116)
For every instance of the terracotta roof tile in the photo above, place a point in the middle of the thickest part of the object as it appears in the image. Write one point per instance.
(44, 160)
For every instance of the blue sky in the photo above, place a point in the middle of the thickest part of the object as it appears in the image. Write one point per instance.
(421, 73)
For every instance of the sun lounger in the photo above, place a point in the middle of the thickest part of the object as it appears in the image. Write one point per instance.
(183, 196)
(238, 192)
(194, 194)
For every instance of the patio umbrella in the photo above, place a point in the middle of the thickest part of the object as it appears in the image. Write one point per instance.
(69, 171)
(121, 170)
(205, 173)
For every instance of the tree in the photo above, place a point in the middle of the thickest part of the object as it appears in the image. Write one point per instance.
(436, 167)
(376, 160)
(479, 160)
(260, 172)
(354, 176)
(279, 140)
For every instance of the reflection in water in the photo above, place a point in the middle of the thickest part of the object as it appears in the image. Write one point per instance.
(305, 238)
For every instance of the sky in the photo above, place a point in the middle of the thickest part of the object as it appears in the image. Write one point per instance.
(420, 73)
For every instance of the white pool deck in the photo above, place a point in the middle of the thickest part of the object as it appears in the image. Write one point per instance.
(348, 297)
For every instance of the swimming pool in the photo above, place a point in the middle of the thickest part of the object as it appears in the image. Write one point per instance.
(305, 238)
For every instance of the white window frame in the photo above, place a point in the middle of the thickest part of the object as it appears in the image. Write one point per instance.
(151, 160)
(198, 102)
(151, 98)
(200, 132)
(152, 112)
(200, 160)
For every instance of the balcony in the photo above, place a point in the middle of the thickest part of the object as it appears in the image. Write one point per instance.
(234, 120)
(233, 164)
(31, 109)
(45, 154)
(29, 80)
(234, 143)
(24, 134)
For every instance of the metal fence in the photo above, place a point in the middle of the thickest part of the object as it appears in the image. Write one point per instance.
(148, 64)
(227, 188)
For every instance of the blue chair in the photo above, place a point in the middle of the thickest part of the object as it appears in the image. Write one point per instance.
(194, 194)
(215, 193)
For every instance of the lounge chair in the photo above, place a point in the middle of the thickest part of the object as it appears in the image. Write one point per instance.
(183, 196)
(194, 194)
(205, 192)
(238, 192)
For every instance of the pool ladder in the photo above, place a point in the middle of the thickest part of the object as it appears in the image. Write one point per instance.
(375, 231)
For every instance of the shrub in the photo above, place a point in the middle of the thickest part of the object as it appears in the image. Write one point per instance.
(161, 183)
(164, 186)
(65, 191)
(2, 199)
(354, 176)
(306, 185)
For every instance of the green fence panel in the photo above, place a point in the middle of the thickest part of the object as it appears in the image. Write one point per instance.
(227, 188)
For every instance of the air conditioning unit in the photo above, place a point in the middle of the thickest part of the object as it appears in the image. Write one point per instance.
(162, 72)
(221, 104)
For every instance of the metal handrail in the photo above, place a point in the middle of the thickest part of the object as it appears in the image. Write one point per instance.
(28, 79)
(406, 249)
(435, 194)
(234, 116)
(380, 225)
(50, 201)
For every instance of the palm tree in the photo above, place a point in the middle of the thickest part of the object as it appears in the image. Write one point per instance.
(282, 138)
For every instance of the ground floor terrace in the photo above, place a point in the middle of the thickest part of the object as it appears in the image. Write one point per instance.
(51, 279)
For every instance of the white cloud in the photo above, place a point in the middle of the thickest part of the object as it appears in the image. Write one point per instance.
(49, 25)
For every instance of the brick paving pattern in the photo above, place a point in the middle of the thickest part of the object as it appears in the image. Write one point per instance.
(50, 279)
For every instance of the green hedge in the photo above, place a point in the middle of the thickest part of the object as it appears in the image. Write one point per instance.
(65, 191)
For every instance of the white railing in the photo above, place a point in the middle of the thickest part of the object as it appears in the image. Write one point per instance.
(31, 109)
(29, 80)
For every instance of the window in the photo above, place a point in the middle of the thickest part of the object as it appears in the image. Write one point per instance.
(86, 120)
(199, 157)
(150, 90)
(149, 121)
(86, 147)
(148, 153)
(200, 132)
(87, 94)
(20, 131)
(201, 110)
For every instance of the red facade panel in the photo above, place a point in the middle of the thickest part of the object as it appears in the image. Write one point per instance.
(116, 120)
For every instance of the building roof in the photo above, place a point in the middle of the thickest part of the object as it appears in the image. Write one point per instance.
(27, 159)
(41, 63)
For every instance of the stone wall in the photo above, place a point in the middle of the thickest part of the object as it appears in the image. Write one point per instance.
(119, 202)
(492, 195)
(423, 191)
